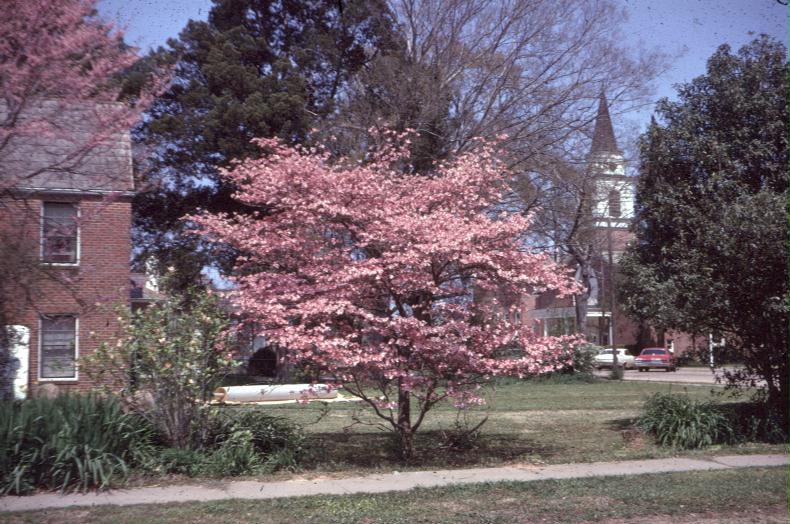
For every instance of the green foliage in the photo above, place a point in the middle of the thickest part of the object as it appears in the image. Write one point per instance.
(679, 422)
(583, 358)
(179, 461)
(168, 360)
(270, 433)
(235, 456)
(252, 69)
(244, 442)
(755, 422)
(580, 369)
(276, 438)
(69, 442)
(711, 214)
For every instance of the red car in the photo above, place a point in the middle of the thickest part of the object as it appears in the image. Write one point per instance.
(655, 358)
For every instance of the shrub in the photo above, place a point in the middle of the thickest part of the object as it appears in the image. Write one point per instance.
(180, 461)
(278, 441)
(241, 443)
(464, 436)
(175, 348)
(583, 358)
(579, 364)
(679, 422)
(754, 421)
(69, 441)
(236, 455)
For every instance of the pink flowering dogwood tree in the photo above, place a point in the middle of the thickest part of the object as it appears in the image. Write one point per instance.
(371, 273)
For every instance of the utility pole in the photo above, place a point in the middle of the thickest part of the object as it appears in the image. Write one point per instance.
(611, 293)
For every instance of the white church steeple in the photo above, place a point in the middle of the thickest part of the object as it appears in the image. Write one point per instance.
(614, 191)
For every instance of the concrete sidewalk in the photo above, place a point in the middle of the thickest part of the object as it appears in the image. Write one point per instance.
(381, 483)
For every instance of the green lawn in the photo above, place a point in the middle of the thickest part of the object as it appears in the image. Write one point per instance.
(741, 495)
(533, 422)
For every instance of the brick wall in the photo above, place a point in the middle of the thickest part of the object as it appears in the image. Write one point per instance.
(91, 289)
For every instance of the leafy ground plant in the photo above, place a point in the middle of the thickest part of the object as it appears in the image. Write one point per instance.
(680, 422)
(276, 442)
(239, 442)
(72, 441)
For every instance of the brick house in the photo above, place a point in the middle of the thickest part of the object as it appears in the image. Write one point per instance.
(68, 213)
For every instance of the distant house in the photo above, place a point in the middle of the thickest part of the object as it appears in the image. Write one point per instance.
(66, 206)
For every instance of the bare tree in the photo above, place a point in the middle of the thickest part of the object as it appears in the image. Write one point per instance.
(531, 70)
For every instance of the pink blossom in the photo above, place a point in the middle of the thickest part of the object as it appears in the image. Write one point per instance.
(373, 273)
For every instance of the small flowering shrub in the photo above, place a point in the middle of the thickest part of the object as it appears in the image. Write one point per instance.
(167, 361)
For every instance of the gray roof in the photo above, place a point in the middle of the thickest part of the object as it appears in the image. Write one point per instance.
(55, 147)
(603, 137)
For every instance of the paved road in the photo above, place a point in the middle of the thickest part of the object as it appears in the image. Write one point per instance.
(247, 489)
(681, 376)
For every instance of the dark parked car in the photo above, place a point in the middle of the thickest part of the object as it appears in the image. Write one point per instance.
(660, 358)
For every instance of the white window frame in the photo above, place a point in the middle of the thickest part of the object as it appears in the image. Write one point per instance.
(76, 376)
(41, 242)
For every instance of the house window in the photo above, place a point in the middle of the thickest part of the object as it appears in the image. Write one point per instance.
(614, 203)
(58, 347)
(558, 327)
(59, 233)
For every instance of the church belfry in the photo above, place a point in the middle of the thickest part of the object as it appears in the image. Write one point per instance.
(614, 191)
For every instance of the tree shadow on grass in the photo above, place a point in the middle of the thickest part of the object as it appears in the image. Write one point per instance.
(621, 424)
(435, 448)
(752, 421)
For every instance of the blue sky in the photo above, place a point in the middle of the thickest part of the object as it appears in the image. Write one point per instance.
(688, 30)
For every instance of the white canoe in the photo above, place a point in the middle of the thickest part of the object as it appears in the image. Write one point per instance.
(274, 392)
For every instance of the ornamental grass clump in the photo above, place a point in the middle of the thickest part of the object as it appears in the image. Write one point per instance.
(679, 422)
(69, 442)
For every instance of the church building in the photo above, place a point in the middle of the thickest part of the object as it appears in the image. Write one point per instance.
(611, 209)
